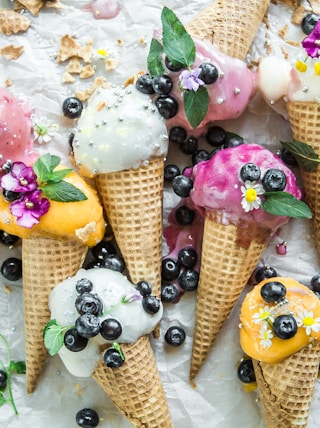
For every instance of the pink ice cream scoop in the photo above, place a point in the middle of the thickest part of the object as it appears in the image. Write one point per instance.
(233, 182)
(16, 143)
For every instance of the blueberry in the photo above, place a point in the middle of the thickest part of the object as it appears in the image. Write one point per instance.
(169, 293)
(245, 371)
(11, 196)
(189, 146)
(182, 185)
(175, 336)
(209, 73)
(7, 239)
(114, 262)
(94, 264)
(177, 134)
(232, 140)
(112, 358)
(200, 156)
(170, 269)
(144, 84)
(188, 257)
(216, 136)
(172, 67)
(84, 285)
(315, 283)
(3, 379)
(309, 22)
(88, 303)
(171, 171)
(144, 288)
(285, 326)
(250, 172)
(73, 341)
(274, 180)
(110, 329)
(167, 106)
(72, 107)
(288, 157)
(87, 325)
(188, 280)
(87, 418)
(102, 249)
(273, 291)
(265, 272)
(151, 304)
(184, 215)
(162, 84)
(11, 269)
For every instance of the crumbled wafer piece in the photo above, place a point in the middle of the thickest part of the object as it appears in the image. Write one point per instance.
(293, 43)
(74, 66)
(68, 78)
(10, 52)
(8, 83)
(12, 22)
(120, 42)
(285, 53)
(99, 82)
(111, 64)
(298, 15)
(68, 48)
(33, 6)
(315, 4)
(86, 72)
(132, 80)
(283, 31)
(85, 52)
(84, 95)
(7, 289)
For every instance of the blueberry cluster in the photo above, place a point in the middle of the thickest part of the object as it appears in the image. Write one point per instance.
(273, 179)
(11, 268)
(105, 255)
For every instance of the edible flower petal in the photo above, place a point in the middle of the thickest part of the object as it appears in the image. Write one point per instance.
(133, 296)
(312, 42)
(190, 79)
(29, 208)
(265, 335)
(44, 130)
(264, 314)
(306, 320)
(20, 179)
(250, 195)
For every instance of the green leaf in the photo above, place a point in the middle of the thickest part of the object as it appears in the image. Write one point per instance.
(178, 44)
(57, 176)
(18, 366)
(45, 165)
(285, 204)
(63, 192)
(196, 105)
(307, 159)
(154, 60)
(117, 347)
(53, 334)
(3, 399)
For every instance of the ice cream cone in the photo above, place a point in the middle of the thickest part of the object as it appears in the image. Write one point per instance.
(227, 262)
(304, 119)
(229, 25)
(132, 201)
(46, 262)
(135, 387)
(286, 388)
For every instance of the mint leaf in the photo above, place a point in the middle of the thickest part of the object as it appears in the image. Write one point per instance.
(63, 192)
(44, 166)
(53, 334)
(154, 60)
(178, 44)
(307, 159)
(285, 204)
(18, 366)
(59, 175)
(196, 105)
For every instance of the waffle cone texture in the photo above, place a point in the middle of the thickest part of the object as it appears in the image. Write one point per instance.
(132, 200)
(230, 25)
(229, 256)
(45, 263)
(135, 388)
(286, 388)
(304, 119)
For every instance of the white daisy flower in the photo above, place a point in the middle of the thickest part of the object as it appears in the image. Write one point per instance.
(265, 335)
(306, 320)
(264, 314)
(250, 195)
(44, 130)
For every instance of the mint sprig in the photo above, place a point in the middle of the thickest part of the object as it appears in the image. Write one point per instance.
(18, 367)
(53, 334)
(306, 157)
(51, 182)
(180, 49)
(285, 204)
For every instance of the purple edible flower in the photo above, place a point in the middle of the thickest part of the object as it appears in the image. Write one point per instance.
(20, 179)
(133, 296)
(312, 42)
(29, 208)
(190, 79)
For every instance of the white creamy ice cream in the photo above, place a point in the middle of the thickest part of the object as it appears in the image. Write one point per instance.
(111, 287)
(120, 129)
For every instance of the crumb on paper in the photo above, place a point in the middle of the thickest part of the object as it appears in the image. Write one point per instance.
(68, 48)
(132, 79)
(101, 106)
(85, 52)
(298, 15)
(120, 42)
(11, 52)
(292, 43)
(111, 64)
(79, 389)
(7, 289)
(283, 31)
(99, 82)
(8, 83)
(12, 22)
(68, 78)
(142, 41)
(285, 53)
(74, 66)
(34, 6)
(315, 4)
(86, 72)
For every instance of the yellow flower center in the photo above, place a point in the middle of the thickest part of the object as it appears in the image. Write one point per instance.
(29, 204)
(102, 52)
(264, 315)
(23, 181)
(317, 69)
(266, 335)
(251, 195)
(308, 321)
(301, 66)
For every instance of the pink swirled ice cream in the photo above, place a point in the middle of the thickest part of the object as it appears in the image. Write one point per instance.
(16, 143)
(232, 184)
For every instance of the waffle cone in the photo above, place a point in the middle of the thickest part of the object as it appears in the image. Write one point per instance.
(286, 388)
(135, 388)
(304, 119)
(230, 25)
(132, 200)
(229, 256)
(45, 263)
